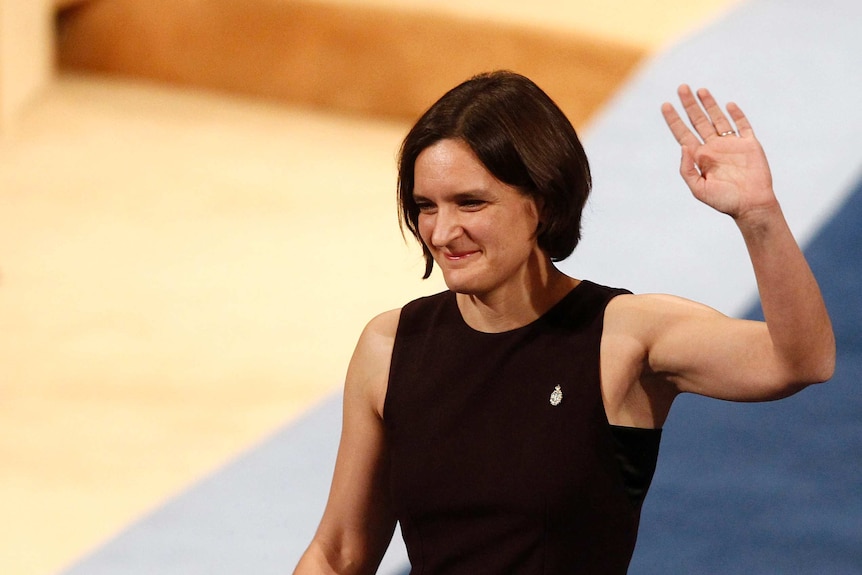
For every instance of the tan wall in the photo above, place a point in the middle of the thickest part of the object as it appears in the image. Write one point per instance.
(26, 54)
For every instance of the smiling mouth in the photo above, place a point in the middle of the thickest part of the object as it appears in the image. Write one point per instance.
(458, 256)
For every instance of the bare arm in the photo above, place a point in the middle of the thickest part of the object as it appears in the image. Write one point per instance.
(700, 350)
(358, 521)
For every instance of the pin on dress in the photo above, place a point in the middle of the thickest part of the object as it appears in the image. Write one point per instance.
(556, 396)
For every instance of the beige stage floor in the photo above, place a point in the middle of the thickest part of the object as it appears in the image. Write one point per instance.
(180, 274)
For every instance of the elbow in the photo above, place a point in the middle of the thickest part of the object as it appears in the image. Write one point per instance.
(824, 370)
(817, 367)
(825, 361)
(802, 370)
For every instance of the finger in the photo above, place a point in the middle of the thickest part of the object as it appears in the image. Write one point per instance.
(721, 125)
(677, 126)
(699, 120)
(742, 124)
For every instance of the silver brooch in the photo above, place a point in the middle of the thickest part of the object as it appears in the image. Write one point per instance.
(556, 396)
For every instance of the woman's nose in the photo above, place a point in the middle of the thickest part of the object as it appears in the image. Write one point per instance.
(447, 227)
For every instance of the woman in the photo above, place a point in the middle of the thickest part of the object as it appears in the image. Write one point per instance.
(512, 423)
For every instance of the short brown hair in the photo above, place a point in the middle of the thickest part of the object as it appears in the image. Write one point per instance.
(522, 138)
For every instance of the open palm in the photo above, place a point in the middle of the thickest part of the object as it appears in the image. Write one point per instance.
(723, 167)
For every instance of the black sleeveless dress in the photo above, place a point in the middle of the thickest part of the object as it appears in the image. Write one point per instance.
(502, 460)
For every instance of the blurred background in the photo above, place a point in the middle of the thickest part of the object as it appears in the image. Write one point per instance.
(197, 218)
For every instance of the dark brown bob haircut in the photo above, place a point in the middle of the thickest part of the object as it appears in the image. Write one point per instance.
(522, 138)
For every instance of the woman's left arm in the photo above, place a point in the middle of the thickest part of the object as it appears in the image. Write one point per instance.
(725, 168)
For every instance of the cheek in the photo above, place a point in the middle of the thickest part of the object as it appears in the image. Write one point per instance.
(425, 225)
(522, 223)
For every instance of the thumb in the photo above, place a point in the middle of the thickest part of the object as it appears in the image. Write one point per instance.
(687, 168)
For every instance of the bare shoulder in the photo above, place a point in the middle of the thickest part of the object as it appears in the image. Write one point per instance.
(385, 324)
(377, 339)
(657, 303)
(634, 392)
(643, 314)
(662, 322)
(368, 372)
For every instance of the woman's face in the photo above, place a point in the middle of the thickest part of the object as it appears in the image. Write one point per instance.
(481, 232)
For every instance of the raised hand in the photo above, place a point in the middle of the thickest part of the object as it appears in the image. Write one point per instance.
(724, 167)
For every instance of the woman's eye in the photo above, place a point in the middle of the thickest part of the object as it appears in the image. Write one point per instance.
(472, 204)
(425, 207)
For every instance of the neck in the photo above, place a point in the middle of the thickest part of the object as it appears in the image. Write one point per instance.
(519, 302)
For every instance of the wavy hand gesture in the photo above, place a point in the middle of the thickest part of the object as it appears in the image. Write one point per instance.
(724, 168)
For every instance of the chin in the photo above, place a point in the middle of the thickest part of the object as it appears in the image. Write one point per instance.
(463, 284)
(456, 282)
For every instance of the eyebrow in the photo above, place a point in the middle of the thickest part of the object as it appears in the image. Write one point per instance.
(458, 197)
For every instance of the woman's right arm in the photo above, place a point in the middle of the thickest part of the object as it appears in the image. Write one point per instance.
(358, 521)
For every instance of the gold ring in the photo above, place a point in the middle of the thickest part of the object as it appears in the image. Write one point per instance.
(727, 133)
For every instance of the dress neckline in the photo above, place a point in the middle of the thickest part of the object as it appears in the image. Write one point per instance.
(541, 319)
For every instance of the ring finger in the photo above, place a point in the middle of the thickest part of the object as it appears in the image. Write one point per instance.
(721, 126)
